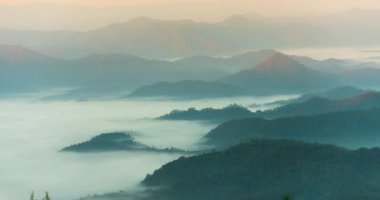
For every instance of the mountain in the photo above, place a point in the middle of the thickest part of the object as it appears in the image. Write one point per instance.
(154, 38)
(116, 141)
(331, 65)
(280, 74)
(15, 54)
(25, 70)
(268, 169)
(329, 101)
(331, 94)
(231, 64)
(349, 128)
(230, 112)
(147, 37)
(22, 69)
(318, 105)
(189, 89)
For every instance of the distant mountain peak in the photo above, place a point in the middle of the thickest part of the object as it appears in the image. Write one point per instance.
(280, 61)
(20, 54)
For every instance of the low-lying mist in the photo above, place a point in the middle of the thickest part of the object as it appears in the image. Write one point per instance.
(33, 132)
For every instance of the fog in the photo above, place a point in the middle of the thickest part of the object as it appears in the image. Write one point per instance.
(33, 132)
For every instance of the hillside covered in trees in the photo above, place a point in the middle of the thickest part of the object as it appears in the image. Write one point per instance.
(268, 169)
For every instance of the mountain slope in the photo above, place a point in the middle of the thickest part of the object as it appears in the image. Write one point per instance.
(318, 105)
(268, 169)
(350, 129)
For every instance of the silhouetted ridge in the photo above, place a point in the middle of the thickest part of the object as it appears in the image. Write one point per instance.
(319, 105)
(349, 128)
(116, 141)
(230, 112)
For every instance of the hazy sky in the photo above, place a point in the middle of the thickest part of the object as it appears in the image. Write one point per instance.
(67, 14)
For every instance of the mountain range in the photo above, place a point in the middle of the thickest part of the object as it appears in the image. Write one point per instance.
(330, 94)
(306, 105)
(263, 72)
(276, 74)
(348, 128)
(280, 74)
(154, 38)
(319, 105)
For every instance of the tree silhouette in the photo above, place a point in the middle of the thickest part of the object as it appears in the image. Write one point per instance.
(32, 196)
(47, 197)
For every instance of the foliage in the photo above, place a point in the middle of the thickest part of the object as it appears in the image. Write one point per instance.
(267, 169)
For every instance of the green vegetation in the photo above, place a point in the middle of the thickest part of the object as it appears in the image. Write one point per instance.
(268, 169)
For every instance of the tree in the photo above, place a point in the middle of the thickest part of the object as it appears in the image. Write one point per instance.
(47, 197)
(32, 196)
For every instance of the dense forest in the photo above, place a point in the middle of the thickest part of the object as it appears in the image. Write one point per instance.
(268, 169)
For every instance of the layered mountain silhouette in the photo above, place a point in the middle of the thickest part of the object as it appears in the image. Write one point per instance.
(263, 72)
(116, 141)
(318, 105)
(229, 64)
(156, 38)
(349, 128)
(280, 74)
(329, 101)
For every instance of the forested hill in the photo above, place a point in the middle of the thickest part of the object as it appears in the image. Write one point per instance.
(267, 169)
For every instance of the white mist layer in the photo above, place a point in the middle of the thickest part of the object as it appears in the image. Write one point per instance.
(33, 132)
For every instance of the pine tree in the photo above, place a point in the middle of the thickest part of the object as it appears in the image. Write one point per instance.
(32, 196)
(47, 197)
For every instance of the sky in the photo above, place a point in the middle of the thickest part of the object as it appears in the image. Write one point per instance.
(92, 14)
